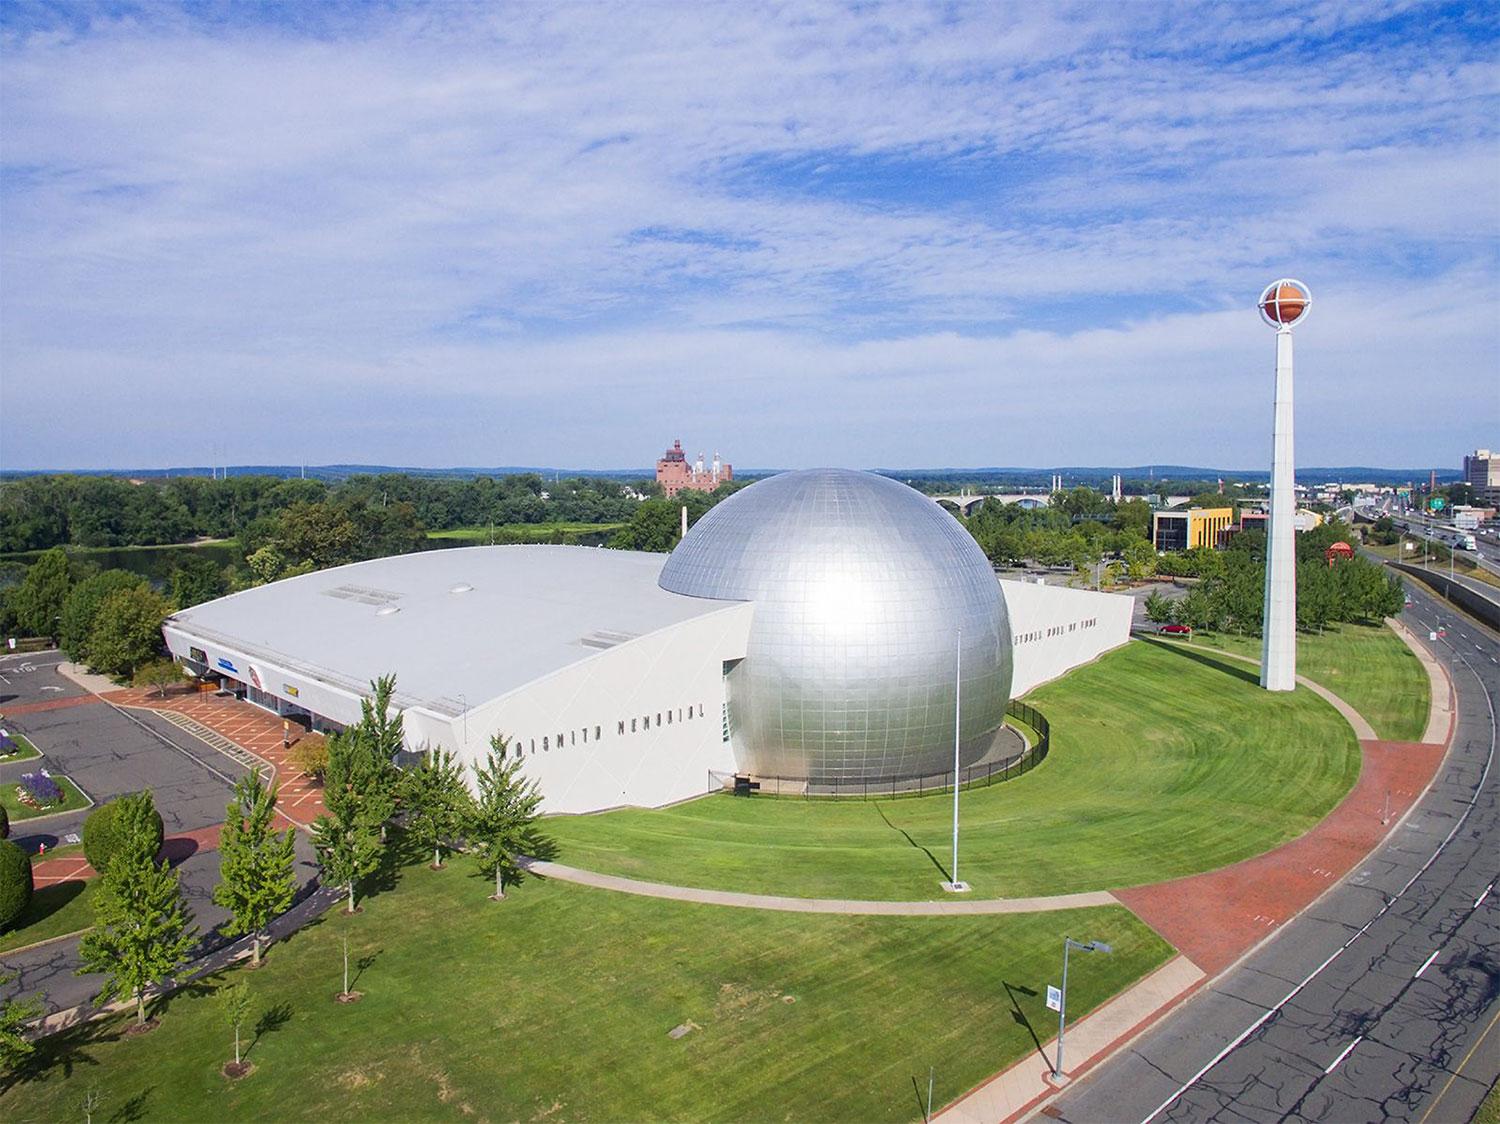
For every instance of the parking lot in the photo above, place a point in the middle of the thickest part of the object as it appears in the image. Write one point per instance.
(109, 751)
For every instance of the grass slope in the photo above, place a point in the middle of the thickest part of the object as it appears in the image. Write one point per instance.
(1367, 666)
(54, 911)
(1164, 762)
(557, 1003)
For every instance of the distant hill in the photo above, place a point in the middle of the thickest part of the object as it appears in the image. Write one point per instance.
(1018, 476)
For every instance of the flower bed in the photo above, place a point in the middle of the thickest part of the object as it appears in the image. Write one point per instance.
(13, 747)
(39, 791)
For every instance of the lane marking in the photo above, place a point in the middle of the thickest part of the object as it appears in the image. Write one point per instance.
(1258, 1023)
(1427, 963)
(1484, 895)
(1344, 1053)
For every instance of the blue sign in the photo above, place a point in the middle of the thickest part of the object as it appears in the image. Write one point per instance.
(227, 666)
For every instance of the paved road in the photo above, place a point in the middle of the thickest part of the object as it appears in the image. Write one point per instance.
(110, 751)
(1376, 1003)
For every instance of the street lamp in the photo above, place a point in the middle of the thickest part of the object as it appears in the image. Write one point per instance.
(1062, 1006)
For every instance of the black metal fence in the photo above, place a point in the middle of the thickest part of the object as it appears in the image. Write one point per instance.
(1030, 724)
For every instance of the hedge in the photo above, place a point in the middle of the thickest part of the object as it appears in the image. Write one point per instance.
(15, 883)
(102, 829)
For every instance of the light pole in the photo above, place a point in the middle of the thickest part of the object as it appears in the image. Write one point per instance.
(955, 886)
(1062, 1006)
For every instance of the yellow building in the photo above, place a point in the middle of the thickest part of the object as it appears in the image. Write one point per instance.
(1190, 529)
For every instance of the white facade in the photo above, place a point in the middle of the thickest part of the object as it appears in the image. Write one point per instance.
(1055, 629)
(626, 705)
(1279, 645)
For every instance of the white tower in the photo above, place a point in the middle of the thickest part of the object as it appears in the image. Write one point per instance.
(1282, 305)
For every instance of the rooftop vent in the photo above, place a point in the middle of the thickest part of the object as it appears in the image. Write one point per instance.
(462, 587)
(387, 610)
(363, 594)
(605, 638)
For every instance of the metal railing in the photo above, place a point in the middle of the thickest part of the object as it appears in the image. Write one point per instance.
(896, 786)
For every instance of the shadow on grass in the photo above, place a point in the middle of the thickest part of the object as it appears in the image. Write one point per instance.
(907, 836)
(1019, 1016)
(272, 1019)
(1228, 666)
(65, 1051)
(47, 901)
(134, 1108)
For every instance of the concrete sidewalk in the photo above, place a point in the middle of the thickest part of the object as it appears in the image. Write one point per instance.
(954, 907)
(1440, 709)
(1089, 1041)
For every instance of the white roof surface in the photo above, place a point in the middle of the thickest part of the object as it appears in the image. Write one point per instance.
(458, 625)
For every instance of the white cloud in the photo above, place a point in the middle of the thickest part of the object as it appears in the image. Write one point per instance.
(442, 213)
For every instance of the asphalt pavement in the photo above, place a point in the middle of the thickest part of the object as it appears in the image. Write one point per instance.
(1381, 1001)
(109, 751)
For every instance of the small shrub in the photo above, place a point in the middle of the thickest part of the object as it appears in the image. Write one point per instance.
(15, 883)
(310, 755)
(102, 830)
(39, 790)
(8, 745)
(4, 823)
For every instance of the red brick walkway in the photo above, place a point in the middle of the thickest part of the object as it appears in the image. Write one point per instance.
(50, 704)
(253, 729)
(74, 867)
(1215, 918)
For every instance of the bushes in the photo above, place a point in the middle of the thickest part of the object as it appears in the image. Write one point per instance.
(15, 883)
(4, 823)
(106, 829)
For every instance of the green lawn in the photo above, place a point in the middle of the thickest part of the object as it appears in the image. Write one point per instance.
(524, 532)
(73, 797)
(54, 910)
(1368, 666)
(1165, 761)
(25, 751)
(557, 1004)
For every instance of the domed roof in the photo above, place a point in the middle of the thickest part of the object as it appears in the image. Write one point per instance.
(863, 588)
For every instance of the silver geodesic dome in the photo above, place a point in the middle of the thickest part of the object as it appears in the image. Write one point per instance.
(862, 587)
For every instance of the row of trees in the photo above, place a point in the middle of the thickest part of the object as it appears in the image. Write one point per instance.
(144, 932)
(1078, 528)
(109, 620)
(38, 512)
(1231, 599)
(363, 788)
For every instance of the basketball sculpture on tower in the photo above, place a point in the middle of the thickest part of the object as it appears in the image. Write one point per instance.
(1282, 304)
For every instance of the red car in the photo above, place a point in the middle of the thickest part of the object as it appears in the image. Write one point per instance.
(1176, 630)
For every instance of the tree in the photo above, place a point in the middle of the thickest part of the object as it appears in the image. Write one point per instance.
(39, 599)
(160, 674)
(127, 630)
(15, 1047)
(503, 826)
(257, 875)
(266, 564)
(81, 609)
(310, 755)
(196, 580)
(15, 883)
(106, 828)
(143, 928)
(234, 1005)
(1140, 559)
(1158, 608)
(348, 846)
(437, 801)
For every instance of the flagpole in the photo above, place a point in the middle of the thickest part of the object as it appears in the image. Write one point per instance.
(958, 686)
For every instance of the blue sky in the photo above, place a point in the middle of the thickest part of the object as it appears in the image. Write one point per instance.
(897, 235)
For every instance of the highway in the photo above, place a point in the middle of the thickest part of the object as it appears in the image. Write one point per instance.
(1379, 1003)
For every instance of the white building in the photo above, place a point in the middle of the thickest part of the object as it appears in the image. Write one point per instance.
(614, 689)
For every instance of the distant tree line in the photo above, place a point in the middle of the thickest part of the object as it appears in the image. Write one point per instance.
(38, 512)
(1229, 593)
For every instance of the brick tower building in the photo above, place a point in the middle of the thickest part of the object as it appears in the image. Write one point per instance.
(674, 473)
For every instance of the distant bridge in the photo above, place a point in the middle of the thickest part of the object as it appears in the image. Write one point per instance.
(967, 503)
